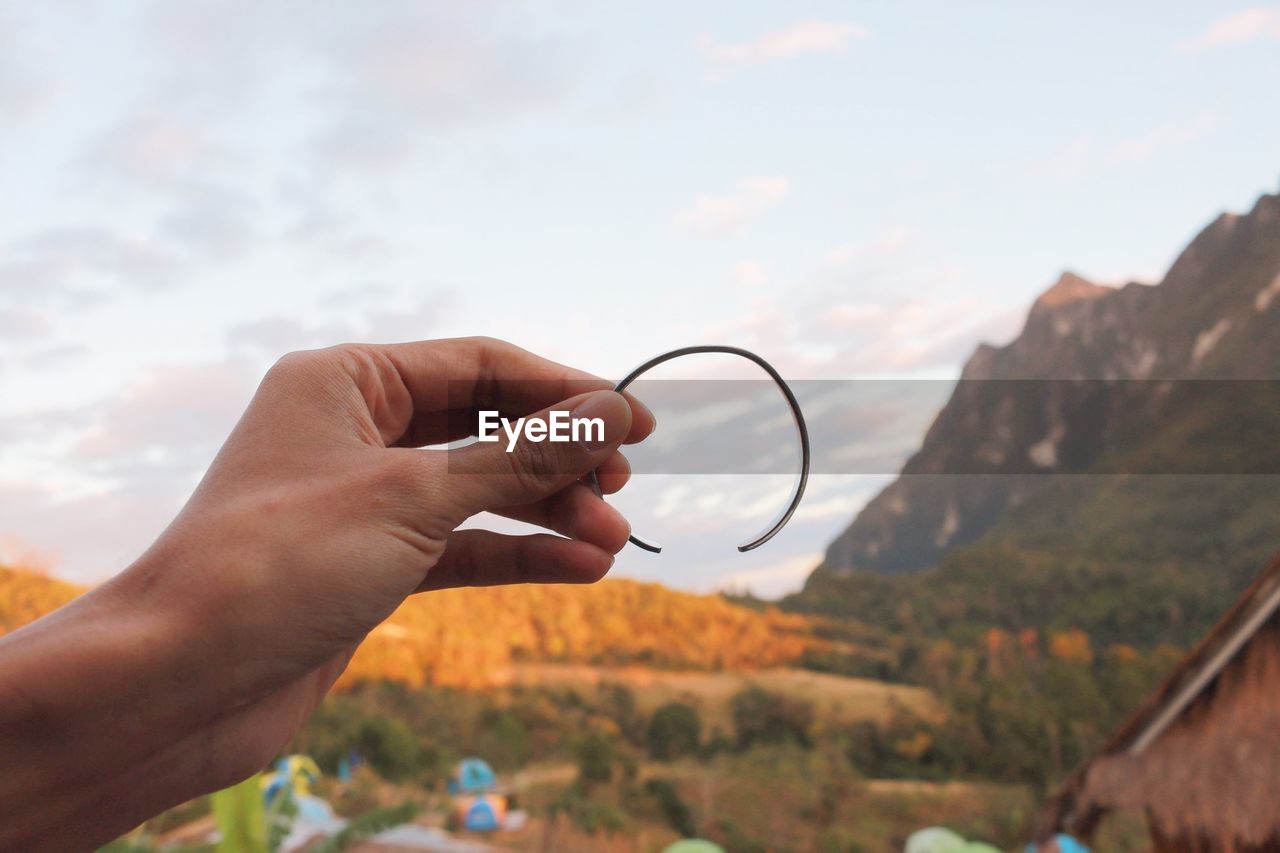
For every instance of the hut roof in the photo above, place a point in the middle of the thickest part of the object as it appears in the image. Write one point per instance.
(1190, 756)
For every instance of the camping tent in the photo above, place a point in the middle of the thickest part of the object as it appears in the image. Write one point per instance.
(294, 773)
(939, 839)
(483, 813)
(693, 845)
(472, 776)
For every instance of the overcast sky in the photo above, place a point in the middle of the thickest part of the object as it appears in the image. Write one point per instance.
(851, 189)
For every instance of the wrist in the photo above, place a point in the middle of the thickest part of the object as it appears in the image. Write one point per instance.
(87, 699)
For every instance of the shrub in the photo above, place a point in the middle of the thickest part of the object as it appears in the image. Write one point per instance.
(674, 730)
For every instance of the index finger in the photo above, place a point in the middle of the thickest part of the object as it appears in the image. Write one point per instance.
(468, 374)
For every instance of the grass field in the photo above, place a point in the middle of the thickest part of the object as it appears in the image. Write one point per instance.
(836, 699)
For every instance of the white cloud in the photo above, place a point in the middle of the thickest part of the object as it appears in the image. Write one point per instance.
(1087, 154)
(151, 148)
(20, 322)
(890, 242)
(276, 335)
(61, 263)
(786, 575)
(114, 471)
(802, 37)
(748, 274)
(726, 212)
(925, 321)
(1172, 134)
(1257, 23)
(23, 90)
(185, 411)
(1067, 162)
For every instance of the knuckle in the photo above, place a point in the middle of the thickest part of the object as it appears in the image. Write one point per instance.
(292, 362)
(485, 342)
(353, 357)
(537, 466)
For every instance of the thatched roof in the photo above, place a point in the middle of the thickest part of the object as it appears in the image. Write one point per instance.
(1201, 758)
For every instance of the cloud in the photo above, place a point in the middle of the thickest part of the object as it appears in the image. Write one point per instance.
(892, 241)
(748, 274)
(80, 262)
(802, 37)
(277, 335)
(23, 91)
(212, 222)
(727, 212)
(175, 416)
(1088, 154)
(153, 149)
(1257, 23)
(385, 74)
(206, 217)
(21, 322)
(778, 578)
(920, 321)
(94, 483)
(87, 538)
(1174, 134)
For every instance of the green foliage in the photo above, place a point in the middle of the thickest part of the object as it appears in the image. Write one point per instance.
(241, 817)
(674, 809)
(595, 754)
(590, 814)
(389, 746)
(618, 703)
(760, 716)
(1016, 713)
(505, 741)
(737, 839)
(1139, 560)
(674, 730)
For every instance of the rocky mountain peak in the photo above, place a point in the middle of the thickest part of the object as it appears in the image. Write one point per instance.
(1069, 288)
(1213, 316)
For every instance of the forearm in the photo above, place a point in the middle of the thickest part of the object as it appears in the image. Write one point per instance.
(100, 721)
(192, 669)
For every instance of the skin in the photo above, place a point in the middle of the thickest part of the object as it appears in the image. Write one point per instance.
(193, 668)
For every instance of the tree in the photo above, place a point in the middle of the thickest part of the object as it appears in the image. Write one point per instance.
(595, 753)
(674, 730)
(389, 746)
(760, 716)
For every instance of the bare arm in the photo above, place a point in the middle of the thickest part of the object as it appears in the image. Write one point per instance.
(192, 669)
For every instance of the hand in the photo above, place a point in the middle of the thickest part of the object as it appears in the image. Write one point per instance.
(316, 520)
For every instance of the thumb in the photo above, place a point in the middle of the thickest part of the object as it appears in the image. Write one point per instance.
(510, 471)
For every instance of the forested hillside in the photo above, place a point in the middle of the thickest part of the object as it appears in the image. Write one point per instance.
(26, 595)
(470, 638)
(1113, 469)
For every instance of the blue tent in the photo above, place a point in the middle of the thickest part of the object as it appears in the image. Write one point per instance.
(481, 816)
(472, 776)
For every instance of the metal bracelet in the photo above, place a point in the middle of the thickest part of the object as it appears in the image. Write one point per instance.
(797, 491)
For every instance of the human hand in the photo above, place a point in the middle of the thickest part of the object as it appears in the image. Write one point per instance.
(319, 517)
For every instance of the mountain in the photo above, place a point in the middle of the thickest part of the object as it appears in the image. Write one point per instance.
(472, 637)
(1008, 422)
(1142, 403)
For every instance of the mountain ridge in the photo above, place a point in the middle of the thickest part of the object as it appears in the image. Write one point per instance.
(1209, 318)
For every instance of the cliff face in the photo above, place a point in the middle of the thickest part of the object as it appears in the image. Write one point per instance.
(1216, 315)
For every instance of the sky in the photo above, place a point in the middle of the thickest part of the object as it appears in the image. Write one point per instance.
(853, 190)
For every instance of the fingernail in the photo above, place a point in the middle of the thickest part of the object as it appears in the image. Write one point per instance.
(612, 410)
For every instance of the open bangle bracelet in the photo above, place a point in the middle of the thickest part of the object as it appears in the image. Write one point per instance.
(797, 491)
